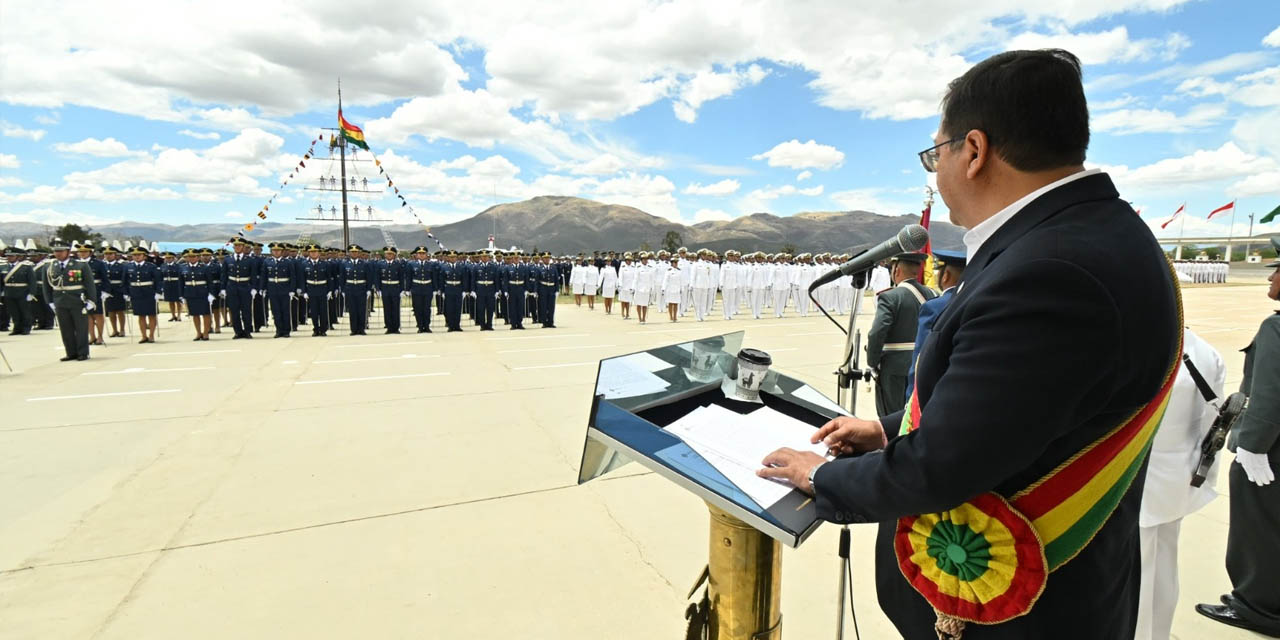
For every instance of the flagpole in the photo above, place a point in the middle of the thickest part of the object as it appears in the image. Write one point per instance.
(1231, 231)
(342, 164)
(1182, 227)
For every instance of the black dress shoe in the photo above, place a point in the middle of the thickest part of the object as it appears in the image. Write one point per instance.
(82, 358)
(196, 339)
(427, 330)
(1227, 615)
(393, 332)
(67, 358)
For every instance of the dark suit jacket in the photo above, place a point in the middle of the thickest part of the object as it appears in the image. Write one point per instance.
(1065, 324)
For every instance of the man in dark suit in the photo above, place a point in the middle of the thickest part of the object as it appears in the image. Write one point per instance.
(1065, 326)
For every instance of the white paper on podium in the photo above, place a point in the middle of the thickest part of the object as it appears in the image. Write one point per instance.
(645, 361)
(809, 394)
(735, 444)
(620, 378)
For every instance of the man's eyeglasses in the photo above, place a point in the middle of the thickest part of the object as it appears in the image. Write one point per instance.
(929, 157)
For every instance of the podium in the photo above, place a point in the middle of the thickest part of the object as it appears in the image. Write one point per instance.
(636, 396)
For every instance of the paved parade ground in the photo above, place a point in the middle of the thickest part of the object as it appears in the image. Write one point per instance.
(405, 486)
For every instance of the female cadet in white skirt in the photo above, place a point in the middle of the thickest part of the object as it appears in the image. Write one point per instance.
(578, 281)
(672, 288)
(608, 285)
(644, 286)
(590, 282)
(626, 284)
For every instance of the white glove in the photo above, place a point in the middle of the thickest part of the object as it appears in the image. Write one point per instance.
(51, 307)
(126, 298)
(329, 295)
(299, 291)
(405, 294)
(1256, 466)
(222, 294)
(158, 296)
(306, 296)
(182, 301)
(88, 304)
(253, 292)
(30, 297)
(105, 295)
(211, 298)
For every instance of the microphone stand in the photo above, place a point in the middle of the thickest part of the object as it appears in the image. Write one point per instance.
(848, 375)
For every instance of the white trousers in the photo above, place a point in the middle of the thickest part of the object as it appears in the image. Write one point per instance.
(700, 299)
(846, 299)
(729, 301)
(780, 300)
(758, 296)
(686, 300)
(1158, 597)
(744, 299)
(802, 301)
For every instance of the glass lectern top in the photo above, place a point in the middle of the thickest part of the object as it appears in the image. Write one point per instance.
(637, 395)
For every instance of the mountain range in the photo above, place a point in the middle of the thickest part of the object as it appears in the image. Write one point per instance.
(562, 225)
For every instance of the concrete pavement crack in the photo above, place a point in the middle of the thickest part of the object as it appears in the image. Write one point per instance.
(636, 543)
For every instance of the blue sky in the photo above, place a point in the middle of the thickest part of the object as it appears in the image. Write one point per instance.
(689, 110)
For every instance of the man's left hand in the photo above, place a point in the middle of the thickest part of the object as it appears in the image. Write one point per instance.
(792, 466)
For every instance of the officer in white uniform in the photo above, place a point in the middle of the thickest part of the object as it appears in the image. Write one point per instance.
(1168, 496)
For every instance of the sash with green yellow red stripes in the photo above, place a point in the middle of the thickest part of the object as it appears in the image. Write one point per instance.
(987, 560)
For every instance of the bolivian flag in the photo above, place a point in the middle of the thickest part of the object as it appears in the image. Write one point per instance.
(351, 133)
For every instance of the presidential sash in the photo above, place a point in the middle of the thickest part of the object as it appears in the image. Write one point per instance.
(987, 561)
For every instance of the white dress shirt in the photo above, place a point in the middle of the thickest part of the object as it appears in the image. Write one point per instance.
(981, 232)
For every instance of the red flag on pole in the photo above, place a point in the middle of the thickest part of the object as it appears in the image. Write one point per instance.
(1174, 216)
(1226, 208)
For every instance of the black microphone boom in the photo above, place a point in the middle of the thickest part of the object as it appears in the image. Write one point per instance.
(912, 237)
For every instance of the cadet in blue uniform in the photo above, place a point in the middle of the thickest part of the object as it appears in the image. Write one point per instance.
(548, 289)
(392, 285)
(212, 260)
(240, 278)
(420, 277)
(143, 281)
(318, 288)
(354, 278)
(531, 286)
(171, 286)
(69, 288)
(113, 300)
(281, 283)
(196, 286)
(259, 300)
(484, 290)
(99, 270)
(451, 280)
(949, 270)
(513, 291)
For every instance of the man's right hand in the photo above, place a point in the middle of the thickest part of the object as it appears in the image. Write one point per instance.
(846, 435)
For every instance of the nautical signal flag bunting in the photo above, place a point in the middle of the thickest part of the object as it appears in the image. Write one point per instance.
(351, 133)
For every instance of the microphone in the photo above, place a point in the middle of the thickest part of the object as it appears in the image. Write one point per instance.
(912, 237)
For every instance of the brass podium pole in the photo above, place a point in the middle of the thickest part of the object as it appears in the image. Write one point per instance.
(745, 588)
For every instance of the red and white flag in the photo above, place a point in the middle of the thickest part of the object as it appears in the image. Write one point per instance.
(1226, 208)
(1174, 216)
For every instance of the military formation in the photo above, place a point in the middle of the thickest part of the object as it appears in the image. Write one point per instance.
(285, 288)
(681, 282)
(1202, 271)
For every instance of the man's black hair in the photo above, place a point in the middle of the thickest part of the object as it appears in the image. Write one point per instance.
(1030, 104)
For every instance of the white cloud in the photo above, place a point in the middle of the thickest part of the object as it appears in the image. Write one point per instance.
(49, 194)
(773, 193)
(9, 161)
(1256, 89)
(206, 135)
(888, 202)
(721, 188)
(107, 148)
(1205, 168)
(604, 164)
(797, 155)
(711, 215)
(1103, 47)
(10, 181)
(804, 175)
(50, 118)
(707, 85)
(1130, 121)
(1273, 38)
(10, 130)
(653, 194)
(58, 217)
(234, 215)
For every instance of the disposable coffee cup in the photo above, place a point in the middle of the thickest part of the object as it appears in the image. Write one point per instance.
(704, 359)
(753, 367)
